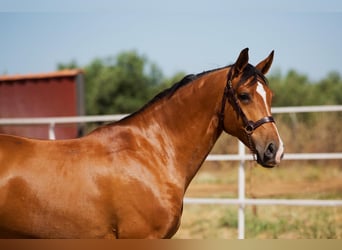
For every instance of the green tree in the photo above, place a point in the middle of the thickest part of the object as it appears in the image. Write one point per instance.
(296, 89)
(71, 65)
(120, 84)
(329, 90)
(292, 90)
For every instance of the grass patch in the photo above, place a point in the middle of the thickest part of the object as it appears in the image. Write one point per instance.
(267, 222)
(296, 181)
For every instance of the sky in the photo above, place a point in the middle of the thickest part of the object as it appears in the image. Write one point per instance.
(179, 35)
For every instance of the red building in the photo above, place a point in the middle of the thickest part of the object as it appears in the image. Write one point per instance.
(42, 95)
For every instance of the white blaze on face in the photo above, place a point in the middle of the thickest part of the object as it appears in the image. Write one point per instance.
(261, 91)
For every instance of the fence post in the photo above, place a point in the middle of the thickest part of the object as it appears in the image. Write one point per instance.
(241, 192)
(52, 135)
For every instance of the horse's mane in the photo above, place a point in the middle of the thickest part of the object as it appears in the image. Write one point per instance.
(185, 81)
(249, 71)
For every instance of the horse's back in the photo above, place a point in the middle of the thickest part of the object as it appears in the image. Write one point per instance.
(10, 144)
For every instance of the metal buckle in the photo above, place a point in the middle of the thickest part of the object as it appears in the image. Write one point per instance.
(249, 129)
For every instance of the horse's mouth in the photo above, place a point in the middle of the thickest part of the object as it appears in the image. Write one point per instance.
(267, 164)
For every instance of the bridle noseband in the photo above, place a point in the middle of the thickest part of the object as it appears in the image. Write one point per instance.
(249, 126)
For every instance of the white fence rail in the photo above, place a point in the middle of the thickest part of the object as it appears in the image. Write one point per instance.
(241, 201)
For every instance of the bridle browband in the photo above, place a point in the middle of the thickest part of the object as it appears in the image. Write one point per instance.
(249, 126)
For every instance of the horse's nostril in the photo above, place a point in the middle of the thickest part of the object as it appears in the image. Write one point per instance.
(270, 151)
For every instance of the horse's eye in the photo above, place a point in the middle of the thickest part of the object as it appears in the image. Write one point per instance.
(244, 97)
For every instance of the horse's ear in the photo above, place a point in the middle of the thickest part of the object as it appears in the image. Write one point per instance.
(241, 62)
(265, 65)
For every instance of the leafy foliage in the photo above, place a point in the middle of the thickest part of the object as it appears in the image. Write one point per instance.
(119, 85)
(295, 89)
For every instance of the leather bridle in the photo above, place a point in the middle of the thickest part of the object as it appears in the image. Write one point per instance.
(249, 125)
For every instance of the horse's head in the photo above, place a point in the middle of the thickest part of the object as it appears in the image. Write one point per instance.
(250, 99)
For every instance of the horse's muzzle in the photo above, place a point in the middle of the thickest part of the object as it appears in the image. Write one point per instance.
(271, 155)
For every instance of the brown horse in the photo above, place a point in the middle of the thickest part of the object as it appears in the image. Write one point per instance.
(128, 179)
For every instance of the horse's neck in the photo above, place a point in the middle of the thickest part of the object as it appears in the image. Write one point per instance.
(187, 124)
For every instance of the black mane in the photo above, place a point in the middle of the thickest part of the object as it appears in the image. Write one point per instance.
(186, 80)
(249, 71)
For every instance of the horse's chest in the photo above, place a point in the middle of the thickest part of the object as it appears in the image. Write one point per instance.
(156, 224)
(150, 216)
